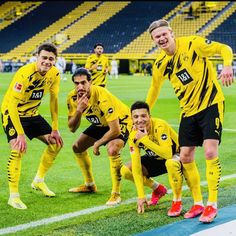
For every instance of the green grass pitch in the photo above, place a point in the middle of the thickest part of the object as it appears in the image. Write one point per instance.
(121, 220)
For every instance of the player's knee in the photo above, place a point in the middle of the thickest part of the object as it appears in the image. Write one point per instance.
(54, 148)
(77, 149)
(210, 153)
(169, 163)
(113, 150)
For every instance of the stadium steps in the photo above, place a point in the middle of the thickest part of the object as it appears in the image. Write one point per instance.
(28, 24)
(28, 47)
(144, 39)
(219, 20)
(183, 27)
(13, 11)
(91, 21)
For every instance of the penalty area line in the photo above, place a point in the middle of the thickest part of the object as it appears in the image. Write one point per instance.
(50, 220)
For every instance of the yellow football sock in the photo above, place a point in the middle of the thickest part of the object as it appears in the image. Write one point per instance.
(47, 159)
(213, 173)
(192, 178)
(85, 163)
(115, 166)
(14, 170)
(127, 174)
(175, 177)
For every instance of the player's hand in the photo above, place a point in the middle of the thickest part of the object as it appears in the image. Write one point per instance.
(55, 137)
(140, 134)
(82, 103)
(20, 143)
(105, 71)
(140, 205)
(94, 67)
(96, 149)
(226, 76)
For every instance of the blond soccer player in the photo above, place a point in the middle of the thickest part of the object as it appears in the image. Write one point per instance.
(184, 61)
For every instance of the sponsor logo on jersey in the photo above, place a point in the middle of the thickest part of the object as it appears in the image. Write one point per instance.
(93, 119)
(18, 87)
(37, 94)
(184, 77)
(99, 68)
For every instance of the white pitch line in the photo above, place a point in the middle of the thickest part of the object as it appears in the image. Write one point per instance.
(228, 228)
(46, 221)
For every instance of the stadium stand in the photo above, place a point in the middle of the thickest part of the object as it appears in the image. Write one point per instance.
(133, 49)
(92, 26)
(33, 23)
(182, 26)
(122, 28)
(223, 28)
(54, 32)
(10, 12)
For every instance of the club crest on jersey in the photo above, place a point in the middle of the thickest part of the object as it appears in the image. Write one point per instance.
(18, 87)
(163, 136)
(110, 110)
(12, 131)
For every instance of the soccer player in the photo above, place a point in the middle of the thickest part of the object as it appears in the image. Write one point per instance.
(98, 66)
(160, 144)
(114, 68)
(110, 122)
(61, 66)
(20, 118)
(185, 63)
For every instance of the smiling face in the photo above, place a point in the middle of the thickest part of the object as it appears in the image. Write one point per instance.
(141, 119)
(163, 37)
(45, 61)
(82, 85)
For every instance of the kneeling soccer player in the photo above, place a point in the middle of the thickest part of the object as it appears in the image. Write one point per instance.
(160, 144)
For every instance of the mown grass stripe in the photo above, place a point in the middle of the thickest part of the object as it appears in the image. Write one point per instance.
(46, 221)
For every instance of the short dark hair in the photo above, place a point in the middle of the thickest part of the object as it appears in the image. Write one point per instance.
(140, 105)
(49, 47)
(98, 44)
(82, 71)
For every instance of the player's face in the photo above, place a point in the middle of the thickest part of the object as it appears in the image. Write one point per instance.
(163, 37)
(82, 85)
(98, 50)
(141, 119)
(45, 61)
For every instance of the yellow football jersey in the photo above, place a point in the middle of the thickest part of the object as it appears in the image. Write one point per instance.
(98, 75)
(161, 143)
(29, 87)
(191, 73)
(103, 107)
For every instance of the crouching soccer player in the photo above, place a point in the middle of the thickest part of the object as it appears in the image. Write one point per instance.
(20, 117)
(160, 143)
(109, 119)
